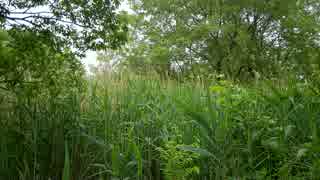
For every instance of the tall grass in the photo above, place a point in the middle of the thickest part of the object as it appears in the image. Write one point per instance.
(141, 127)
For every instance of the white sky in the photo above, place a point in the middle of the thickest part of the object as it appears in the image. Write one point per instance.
(91, 56)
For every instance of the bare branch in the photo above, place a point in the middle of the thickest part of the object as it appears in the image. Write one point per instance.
(21, 19)
(27, 13)
(44, 18)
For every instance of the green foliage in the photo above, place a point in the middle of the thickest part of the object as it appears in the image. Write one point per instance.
(32, 64)
(244, 102)
(140, 127)
(79, 24)
(41, 41)
(66, 166)
(243, 40)
(178, 164)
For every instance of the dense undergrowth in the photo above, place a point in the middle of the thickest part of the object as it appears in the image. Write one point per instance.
(145, 128)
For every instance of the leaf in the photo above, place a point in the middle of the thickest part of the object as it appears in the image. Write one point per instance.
(66, 168)
(200, 151)
(289, 131)
(4, 36)
(302, 153)
(200, 120)
(96, 140)
(115, 160)
(138, 157)
(284, 171)
(273, 144)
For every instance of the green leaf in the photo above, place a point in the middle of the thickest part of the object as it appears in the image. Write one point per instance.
(138, 158)
(302, 153)
(200, 151)
(4, 36)
(66, 168)
(115, 160)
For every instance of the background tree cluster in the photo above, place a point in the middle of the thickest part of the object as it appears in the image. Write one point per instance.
(240, 39)
(41, 41)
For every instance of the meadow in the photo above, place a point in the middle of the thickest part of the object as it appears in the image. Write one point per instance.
(146, 128)
(176, 90)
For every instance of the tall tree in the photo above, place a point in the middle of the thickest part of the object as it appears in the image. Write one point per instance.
(80, 24)
(30, 65)
(236, 38)
(41, 41)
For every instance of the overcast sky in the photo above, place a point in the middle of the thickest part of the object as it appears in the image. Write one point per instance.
(91, 56)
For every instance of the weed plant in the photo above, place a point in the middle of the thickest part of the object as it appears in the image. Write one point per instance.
(141, 127)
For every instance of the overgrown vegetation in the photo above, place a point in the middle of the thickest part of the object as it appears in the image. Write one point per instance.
(144, 128)
(203, 90)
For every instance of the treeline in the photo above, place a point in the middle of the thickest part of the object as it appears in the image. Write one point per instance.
(242, 39)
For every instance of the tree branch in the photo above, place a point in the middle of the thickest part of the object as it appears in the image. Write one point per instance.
(44, 18)
(41, 12)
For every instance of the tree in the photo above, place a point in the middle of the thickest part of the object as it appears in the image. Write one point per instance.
(235, 38)
(143, 53)
(80, 24)
(29, 65)
(41, 41)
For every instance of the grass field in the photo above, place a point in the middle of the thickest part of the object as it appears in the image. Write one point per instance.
(149, 129)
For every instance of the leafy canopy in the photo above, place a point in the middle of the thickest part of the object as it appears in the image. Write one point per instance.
(29, 64)
(79, 24)
(41, 40)
(241, 39)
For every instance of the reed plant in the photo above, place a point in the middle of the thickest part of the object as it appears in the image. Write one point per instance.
(148, 128)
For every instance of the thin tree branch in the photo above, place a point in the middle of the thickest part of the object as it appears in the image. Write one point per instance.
(43, 17)
(21, 19)
(41, 12)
